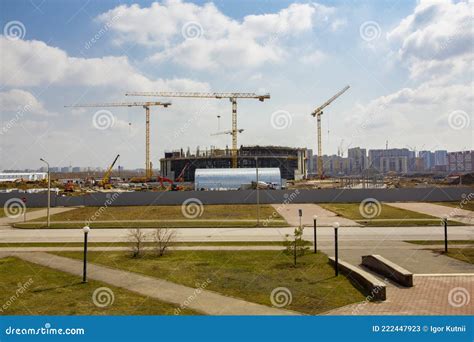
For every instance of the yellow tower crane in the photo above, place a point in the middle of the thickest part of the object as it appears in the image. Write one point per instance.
(146, 106)
(317, 113)
(232, 98)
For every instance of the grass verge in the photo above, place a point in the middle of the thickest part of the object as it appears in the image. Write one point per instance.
(467, 205)
(146, 244)
(51, 292)
(151, 224)
(388, 216)
(169, 212)
(250, 275)
(463, 254)
(440, 242)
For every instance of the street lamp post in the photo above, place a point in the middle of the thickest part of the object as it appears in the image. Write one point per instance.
(445, 221)
(315, 217)
(86, 231)
(258, 194)
(336, 256)
(49, 193)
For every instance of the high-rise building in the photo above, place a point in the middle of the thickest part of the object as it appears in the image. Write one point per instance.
(393, 159)
(428, 159)
(357, 160)
(441, 158)
(462, 161)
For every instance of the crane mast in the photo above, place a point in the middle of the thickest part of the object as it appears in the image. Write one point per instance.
(146, 105)
(232, 98)
(318, 112)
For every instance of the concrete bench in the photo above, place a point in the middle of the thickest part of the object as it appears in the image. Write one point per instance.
(379, 264)
(361, 278)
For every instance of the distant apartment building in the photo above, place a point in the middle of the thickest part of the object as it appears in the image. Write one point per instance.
(310, 162)
(335, 165)
(441, 158)
(462, 161)
(357, 160)
(398, 160)
(428, 160)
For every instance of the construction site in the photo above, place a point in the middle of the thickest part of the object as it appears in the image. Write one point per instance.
(298, 167)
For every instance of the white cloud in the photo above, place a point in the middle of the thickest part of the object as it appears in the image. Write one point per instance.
(435, 44)
(313, 58)
(435, 38)
(20, 101)
(33, 63)
(219, 41)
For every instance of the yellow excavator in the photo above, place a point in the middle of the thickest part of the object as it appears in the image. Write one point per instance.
(105, 182)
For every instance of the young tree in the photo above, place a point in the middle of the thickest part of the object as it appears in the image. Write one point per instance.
(295, 245)
(136, 237)
(163, 237)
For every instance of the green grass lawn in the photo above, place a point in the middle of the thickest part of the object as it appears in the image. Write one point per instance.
(215, 216)
(153, 224)
(463, 254)
(250, 275)
(468, 205)
(170, 212)
(125, 244)
(441, 242)
(394, 216)
(51, 292)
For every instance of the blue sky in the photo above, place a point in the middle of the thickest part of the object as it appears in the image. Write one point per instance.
(407, 63)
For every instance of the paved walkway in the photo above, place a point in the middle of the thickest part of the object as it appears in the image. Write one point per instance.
(242, 234)
(436, 210)
(205, 301)
(431, 295)
(5, 221)
(325, 217)
(417, 259)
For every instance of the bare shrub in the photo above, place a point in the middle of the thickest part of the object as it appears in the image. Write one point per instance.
(163, 238)
(136, 237)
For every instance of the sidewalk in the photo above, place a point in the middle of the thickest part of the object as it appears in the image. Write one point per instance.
(436, 210)
(204, 301)
(325, 217)
(436, 295)
(4, 221)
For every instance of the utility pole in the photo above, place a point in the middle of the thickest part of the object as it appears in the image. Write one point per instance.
(48, 220)
(258, 194)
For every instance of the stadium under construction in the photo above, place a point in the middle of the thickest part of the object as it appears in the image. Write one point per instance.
(181, 165)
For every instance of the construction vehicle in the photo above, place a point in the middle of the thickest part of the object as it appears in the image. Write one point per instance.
(146, 105)
(69, 186)
(105, 182)
(317, 113)
(232, 98)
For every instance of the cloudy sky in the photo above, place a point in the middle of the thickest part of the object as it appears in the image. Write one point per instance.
(408, 63)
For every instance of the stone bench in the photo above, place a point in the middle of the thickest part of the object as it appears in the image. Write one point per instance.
(361, 278)
(385, 267)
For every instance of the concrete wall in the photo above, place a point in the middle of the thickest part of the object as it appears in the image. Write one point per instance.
(245, 196)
